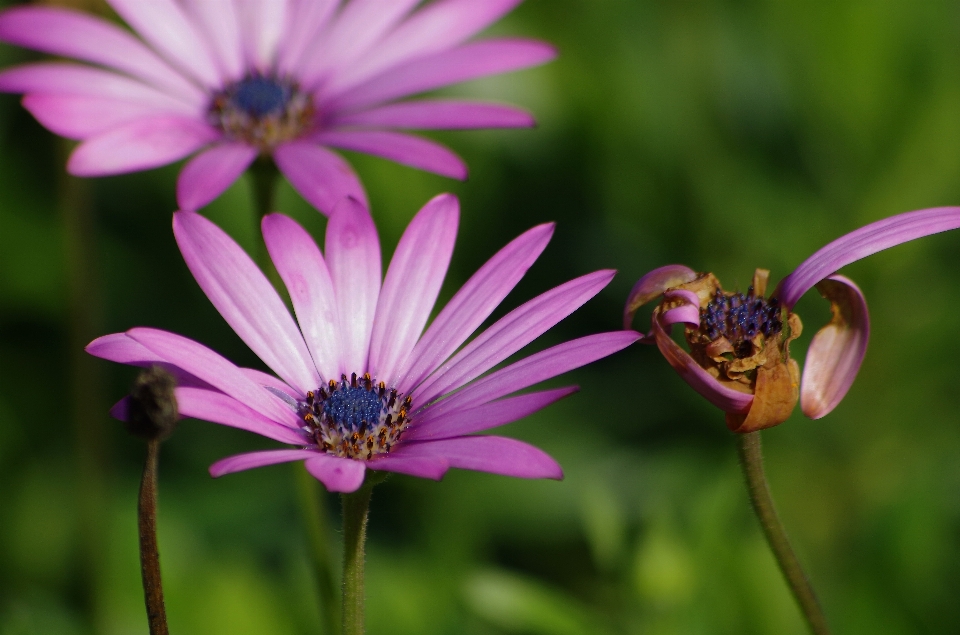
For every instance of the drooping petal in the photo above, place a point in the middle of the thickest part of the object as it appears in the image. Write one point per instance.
(250, 460)
(337, 474)
(412, 285)
(474, 303)
(216, 407)
(652, 285)
(211, 367)
(322, 177)
(863, 242)
(68, 33)
(353, 257)
(512, 332)
(79, 116)
(217, 20)
(485, 417)
(405, 149)
(307, 279)
(837, 350)
(207, 175)
(470, 61)
(305, 21)
(140, 145)
(432, 467)
(497, 455)
(245, 299)
(541, 366)
(436, 114)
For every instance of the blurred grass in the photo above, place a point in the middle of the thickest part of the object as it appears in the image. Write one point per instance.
(724, 134)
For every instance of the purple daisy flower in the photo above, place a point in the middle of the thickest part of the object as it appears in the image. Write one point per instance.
(232, 80)
(739, 355)
(361, 384)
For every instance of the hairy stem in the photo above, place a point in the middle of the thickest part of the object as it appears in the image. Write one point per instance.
(751, 458)
(149, 553)
(355, 511)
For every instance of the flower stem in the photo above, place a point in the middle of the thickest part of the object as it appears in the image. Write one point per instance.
(355, 508)
(149, 553)
(311, 496)
(751, 459)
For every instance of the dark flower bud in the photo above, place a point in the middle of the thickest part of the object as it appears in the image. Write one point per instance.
(152, 409)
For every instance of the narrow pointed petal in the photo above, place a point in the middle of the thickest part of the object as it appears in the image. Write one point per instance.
(512, 332)
(251, 460)
(837, 350)
(321, 177)
(432, 467)
(140, 145)
(120, 348)
(307, 279)
(723, 397)
(412, 284)
(217, 21)
(337, 474)
(216, 407)
(207, 175)
(79, 116)
(470, 61)
(541, 366)
(305, 22)
(863, 242)
(652, 285)
(68, 33)
(474, 303)
(245, 299)
(216, 370)
(438, 115)
(485, 417)
(353, 257)
(497, 455)
(405, 149)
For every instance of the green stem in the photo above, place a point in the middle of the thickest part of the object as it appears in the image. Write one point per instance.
(149, 553)
(311, 497)
(355, 508)
(751, 458)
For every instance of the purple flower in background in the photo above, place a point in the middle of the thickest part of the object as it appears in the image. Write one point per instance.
(361, 384)
(232, 80)
(739, 355)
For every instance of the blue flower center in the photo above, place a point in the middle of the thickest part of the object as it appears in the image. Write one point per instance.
(740, 318)
(263, 111)
(355, 418)
(260, 96)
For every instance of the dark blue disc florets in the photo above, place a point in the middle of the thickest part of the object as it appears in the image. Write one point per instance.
(262, 110)
(260, 96)
(740, 318)
(351, 407)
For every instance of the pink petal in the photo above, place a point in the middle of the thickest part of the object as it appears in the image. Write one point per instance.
(512, 332)
(140, 145)
(269, 381)
(531, 370)
(470, 61)
(652, 285)
(837, 350)
(118, 347)
(438, 115)
(353, 257)
(80, 117)
(262, 26)
(69, 33)
(217, 21)
(337, 474)
(164, 25)
(250, 460)
(727, 399)
(863, 242)
(686, 313)
(432, 467)
(59, 78)
(216, 407)
(474, 303)
(306, 19)
(479, 418)
(214, 369)
(307, 279)
(497, 455)
(245, 299)
(411, 286)
(320, 176)
(405, 149)
(207, 175)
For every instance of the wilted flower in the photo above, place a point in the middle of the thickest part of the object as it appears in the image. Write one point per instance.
(359, 387)
(739, 343)
(238, 79)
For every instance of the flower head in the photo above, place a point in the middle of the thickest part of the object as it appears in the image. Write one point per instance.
(233, 80)
(739, 357)
(360, 384)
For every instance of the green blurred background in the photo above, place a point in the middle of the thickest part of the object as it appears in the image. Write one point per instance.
(724, 134)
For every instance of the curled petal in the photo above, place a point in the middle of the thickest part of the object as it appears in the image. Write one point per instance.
(652, 285)
(775, 397)
(863, 242)
(837, 349)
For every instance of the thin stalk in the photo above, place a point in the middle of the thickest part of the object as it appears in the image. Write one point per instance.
(311, 497)
(355, 513)
(149, 553)
(751, 459)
